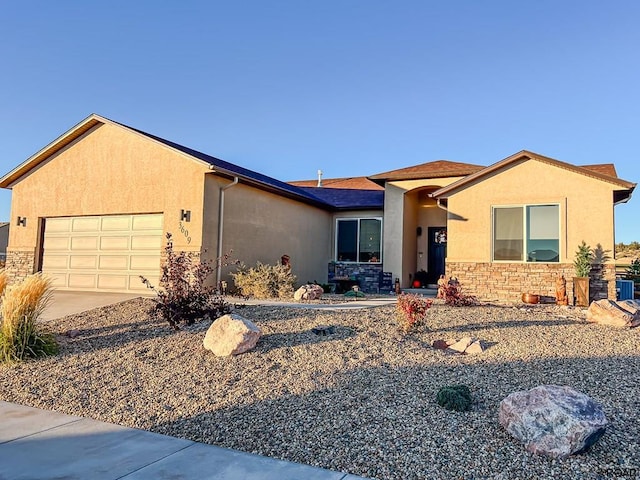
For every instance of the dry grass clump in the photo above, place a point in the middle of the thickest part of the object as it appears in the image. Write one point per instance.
(20, 335)
(4, 279)
(265, 281)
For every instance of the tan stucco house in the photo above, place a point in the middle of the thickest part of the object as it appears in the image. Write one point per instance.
(92, 209)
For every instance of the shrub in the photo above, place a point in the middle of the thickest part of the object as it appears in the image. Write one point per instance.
(455, 397)
(454, 297)
(265, 281)
(583, 259)
(20, 335)
(633, 270)
(411, 310)
(184, 295)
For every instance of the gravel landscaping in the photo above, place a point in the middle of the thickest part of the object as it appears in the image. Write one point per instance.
(361, 400)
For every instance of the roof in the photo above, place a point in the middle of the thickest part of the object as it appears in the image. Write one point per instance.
(595, 171)
(349, 199)
(217, 165)
(357, 183)
(435, 169)
(603, 168)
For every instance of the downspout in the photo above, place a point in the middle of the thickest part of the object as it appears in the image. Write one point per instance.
(221, 229)
(439, 205)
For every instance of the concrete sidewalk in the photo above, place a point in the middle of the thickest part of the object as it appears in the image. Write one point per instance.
(48, 445)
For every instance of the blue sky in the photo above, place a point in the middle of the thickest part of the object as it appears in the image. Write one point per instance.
(352, 87)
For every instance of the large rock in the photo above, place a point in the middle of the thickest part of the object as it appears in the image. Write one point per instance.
(308, 292)
(616, 314)
(231, 334)
(553, 420)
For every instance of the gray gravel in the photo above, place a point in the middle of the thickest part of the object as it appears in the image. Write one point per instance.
(360, 401)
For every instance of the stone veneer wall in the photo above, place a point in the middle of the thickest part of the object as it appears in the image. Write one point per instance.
(368, 275)
(20, 263)
(508, 281)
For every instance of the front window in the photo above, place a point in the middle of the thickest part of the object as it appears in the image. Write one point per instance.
(359, 240)
(529, 233)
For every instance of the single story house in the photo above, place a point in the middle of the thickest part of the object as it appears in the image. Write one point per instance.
(92, 209)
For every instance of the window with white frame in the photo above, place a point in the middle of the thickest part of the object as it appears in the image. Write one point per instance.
(526, 233)
(359, 240)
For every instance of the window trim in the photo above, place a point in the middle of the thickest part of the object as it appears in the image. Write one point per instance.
(524, 207)
(359, 219)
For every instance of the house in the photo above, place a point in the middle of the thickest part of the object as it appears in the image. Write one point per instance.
(4, 241)
(92, 209)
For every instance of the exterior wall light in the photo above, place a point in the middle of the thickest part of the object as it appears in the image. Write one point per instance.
(185, 215)
(22, 221)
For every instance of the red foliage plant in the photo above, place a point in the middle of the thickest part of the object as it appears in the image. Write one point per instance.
(411, 310)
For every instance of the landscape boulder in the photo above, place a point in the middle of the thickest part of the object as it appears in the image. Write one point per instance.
(308, 292)
(625, 313)
(553, 420)
(231, 334)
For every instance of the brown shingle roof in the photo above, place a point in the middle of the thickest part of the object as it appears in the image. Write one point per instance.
(603, 168)
(352, 183)
(436, 169)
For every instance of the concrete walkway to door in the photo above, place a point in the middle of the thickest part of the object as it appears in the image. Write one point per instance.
(65, 303)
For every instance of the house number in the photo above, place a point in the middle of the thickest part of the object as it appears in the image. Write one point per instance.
(185, 232)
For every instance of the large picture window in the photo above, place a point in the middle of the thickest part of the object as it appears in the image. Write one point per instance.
(358, 240)
(527, 233)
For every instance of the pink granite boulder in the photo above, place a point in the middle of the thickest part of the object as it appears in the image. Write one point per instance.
(553, 420)
(616, 314)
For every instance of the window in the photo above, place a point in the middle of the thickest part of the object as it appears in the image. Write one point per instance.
(529, 233)
(359, 240)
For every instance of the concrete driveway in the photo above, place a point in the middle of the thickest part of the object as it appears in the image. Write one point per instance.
(65, 303)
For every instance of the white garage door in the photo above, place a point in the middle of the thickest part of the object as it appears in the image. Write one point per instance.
(103, 253)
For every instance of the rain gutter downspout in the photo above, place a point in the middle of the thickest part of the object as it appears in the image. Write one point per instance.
(221, 229)
(439, 205)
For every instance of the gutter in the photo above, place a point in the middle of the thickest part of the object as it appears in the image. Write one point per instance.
(221, 229)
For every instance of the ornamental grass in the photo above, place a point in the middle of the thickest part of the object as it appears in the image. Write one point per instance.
(21, 336)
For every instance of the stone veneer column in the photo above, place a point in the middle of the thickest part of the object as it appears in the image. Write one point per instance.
(20, 263)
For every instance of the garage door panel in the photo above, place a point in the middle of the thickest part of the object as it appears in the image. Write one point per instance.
(112, 282)
(147, 222)
(58, 225)
(145, 262)
(114, 243)
(103, 252)
(56, 243)
(55, 261)
(85, 224)
(117, 223)
(83, 261)
(84, 243)
(80, 281)
(136, 284)
(146, 242)
(113, 262)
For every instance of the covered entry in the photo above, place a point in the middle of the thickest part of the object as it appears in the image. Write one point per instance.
(102, 253)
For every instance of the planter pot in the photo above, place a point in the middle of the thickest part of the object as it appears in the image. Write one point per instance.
(530, 298)
(581, 291)
(416, 284)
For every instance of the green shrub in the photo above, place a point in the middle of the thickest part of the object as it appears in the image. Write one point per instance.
(455, 397)
(184, 295)
(583, 259)
(21, 336)
(265, 281)
(411, 310)
(633, 270)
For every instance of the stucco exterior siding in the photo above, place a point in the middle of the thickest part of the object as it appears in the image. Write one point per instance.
(261, 226)
(111, 171)
(586, 209)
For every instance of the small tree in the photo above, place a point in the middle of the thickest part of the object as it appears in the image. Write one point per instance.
(184, 295)
(583, 260)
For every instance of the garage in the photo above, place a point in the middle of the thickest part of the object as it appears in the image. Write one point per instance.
(103, 253)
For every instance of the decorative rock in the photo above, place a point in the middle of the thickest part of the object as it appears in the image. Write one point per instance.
(474, 348)
(72, 333)
(553, 420)
(461, 345)
(231, 334)
(615, 314)
(308, 292)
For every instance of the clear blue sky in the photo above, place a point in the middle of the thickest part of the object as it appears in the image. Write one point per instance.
(353, 87)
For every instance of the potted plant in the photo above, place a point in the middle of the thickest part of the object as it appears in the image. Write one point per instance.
(582, 264)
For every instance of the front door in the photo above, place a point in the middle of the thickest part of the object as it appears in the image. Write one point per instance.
(437, 252)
